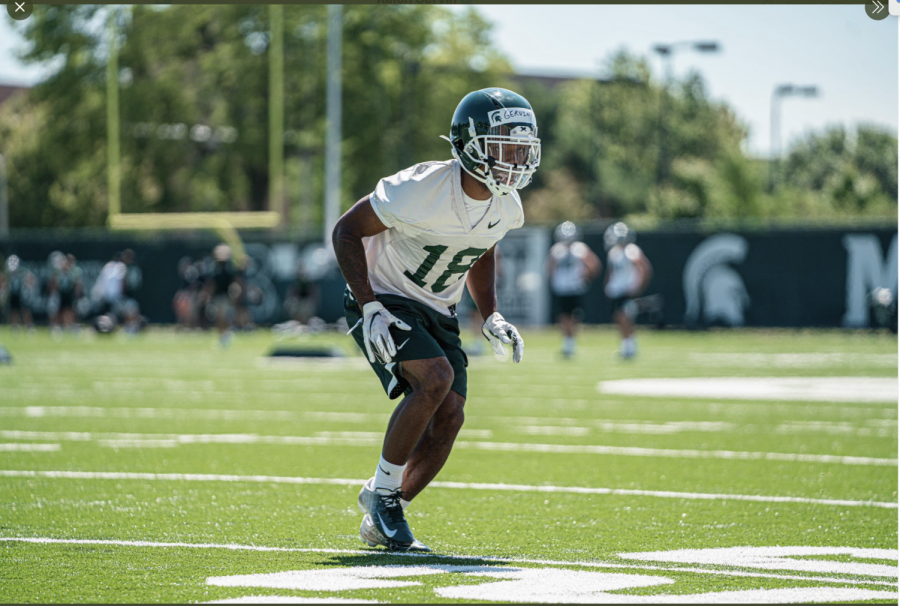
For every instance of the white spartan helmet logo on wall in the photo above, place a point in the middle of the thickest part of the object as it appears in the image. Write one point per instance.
(712, 285)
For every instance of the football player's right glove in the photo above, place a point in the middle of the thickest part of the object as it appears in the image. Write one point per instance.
(498, 331)
(376, 332)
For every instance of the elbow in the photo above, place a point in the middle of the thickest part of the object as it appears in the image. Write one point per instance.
(338, 233)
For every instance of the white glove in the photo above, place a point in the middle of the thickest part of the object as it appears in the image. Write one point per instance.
(499, 331)
(376, 334)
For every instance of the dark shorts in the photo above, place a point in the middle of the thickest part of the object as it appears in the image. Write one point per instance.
(66, 299)
(15, 302)
(567, 304)
(433, 335)
(619, 304)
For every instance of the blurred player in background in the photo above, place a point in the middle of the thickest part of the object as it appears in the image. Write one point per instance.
(20, 286)
(107, 293)
(406, 251)
(131, 285)
(572, 266)
(185, 302)
(221, 292)
(56, 262)
(627, 274)
(70, 288)
(302, 300)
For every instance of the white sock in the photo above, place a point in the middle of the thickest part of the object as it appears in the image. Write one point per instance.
(404, 503)
(569, 345)
(388, 475)
(628, 346)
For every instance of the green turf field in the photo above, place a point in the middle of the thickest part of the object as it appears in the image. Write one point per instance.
(163, 468)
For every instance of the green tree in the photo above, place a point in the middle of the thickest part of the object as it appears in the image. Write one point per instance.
(194, 104)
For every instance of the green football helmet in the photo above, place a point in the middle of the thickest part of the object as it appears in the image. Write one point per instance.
(494, 136)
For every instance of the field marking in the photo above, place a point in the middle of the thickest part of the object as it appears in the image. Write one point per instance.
(794, 360)
(884, 428)
(144, 440)
(287, 599)
(19, 447)
(197, 477)
(878, 428)
(780, 558)
(374, 553)
(633, 451)
(820, 389)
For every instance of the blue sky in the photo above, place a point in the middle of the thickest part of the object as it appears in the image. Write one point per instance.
(852, 59)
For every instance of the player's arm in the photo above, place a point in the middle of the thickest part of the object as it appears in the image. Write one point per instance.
(551, 264)
(646, 270)
(357, 223)
(594, 265)
(481, 282)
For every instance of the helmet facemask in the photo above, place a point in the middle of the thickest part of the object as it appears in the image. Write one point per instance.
(505, 158)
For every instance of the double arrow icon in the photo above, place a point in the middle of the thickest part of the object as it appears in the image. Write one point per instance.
(879, 5)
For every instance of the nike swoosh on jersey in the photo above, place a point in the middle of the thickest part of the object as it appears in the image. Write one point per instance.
(491, 225)
(399, 347)
(390, 533)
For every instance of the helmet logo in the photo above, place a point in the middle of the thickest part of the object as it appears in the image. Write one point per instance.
(511, 114)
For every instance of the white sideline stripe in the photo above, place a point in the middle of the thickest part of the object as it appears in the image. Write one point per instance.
(197, 477)
(142, 440)
(237, 547)
(18, 447)
(822, 389)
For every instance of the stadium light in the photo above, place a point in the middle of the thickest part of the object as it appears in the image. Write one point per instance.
(666, 52)
(778, 93)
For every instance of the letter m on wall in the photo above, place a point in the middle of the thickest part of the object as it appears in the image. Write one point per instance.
(867, 269)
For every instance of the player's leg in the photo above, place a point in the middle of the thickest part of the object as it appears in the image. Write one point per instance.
(421, 372)
(625, 323)
(435, 445)
(437, 440)
(430, 381)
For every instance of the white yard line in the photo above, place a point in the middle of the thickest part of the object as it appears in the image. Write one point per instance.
(19, 447)
(523, 424)
(794, 360)
(819, 389)
(628, 451)
(143, 440)
(195, 477)
(151, 440)
(370, 553)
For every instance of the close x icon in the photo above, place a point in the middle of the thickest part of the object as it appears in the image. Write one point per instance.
(19, 10)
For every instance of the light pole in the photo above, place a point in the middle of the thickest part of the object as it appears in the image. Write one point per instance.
(4, 201)
(333, 112)
(778, 93)
(666, 51)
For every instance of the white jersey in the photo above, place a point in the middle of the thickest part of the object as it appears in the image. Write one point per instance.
(429, 246)
(624, 275)
(570, 268)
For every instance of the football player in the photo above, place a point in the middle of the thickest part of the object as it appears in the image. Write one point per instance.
(627, 274)
(21, 291)
(406, 250)
(572, 266)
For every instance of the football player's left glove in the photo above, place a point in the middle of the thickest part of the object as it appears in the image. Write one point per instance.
(498, 331)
